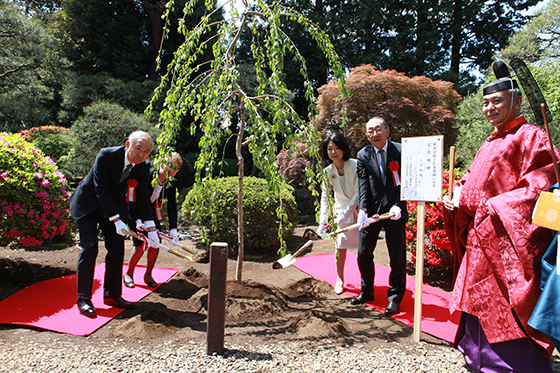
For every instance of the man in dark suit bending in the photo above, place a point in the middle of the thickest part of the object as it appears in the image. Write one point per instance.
(379, 194)
(100, 201)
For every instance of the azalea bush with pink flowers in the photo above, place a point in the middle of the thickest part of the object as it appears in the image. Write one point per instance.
(438, 257)
(34, 201)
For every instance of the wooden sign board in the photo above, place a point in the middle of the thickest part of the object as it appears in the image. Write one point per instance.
(422, 168)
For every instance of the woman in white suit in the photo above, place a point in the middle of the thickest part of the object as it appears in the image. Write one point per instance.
(341, 174)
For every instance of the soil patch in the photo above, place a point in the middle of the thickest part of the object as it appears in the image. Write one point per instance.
(316, 325)
(267, 306)
(308, 288)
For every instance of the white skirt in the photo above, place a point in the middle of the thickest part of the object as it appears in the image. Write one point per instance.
(348, 239)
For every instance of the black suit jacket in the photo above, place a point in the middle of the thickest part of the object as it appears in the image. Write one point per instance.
(101, 187)
(372, 189)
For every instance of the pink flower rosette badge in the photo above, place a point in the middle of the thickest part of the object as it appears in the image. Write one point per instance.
(131, 190)
(394, 167)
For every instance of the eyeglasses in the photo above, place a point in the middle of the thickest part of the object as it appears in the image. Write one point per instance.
(372, 131)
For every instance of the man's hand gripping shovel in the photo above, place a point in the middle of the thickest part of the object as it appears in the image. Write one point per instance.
(311, 235)
(150, 243)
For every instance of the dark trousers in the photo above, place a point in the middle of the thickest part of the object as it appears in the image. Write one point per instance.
(395, 236)
(114, 243)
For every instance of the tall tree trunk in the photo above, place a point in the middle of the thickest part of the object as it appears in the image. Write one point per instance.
(421, 31)
(155, 23)
(240, 164)
(457, 36)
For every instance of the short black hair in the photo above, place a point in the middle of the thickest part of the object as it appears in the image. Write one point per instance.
(340, 141)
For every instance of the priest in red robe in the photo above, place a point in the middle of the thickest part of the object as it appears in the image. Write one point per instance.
(497, 250)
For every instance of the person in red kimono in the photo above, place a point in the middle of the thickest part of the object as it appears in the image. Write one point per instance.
(497, 249)
(164, 175)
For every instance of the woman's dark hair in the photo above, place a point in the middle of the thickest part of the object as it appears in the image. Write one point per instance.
(339, 141)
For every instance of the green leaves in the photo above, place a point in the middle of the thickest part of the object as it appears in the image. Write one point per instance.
(252, 100)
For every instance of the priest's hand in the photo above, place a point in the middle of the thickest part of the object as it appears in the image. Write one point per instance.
(447, 203)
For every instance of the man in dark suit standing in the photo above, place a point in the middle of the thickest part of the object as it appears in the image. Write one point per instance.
(99, 200)
(379, 194)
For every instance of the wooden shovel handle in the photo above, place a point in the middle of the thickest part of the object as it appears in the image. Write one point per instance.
(543, 108)
(451, 171)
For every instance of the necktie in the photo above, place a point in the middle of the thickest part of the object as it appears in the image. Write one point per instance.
(382, 165)
(126, 172)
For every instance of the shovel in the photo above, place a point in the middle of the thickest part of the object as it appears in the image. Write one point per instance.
(176, 243)
(290, 259)
(143, 238)
(310, 234)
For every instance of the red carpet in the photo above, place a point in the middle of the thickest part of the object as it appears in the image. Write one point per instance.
(436, 319)
(52, 305)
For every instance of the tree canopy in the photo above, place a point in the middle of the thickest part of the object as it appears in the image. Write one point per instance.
(414, 106)
(539, 39)
(440, 40)
(538, 44)
(29, 68)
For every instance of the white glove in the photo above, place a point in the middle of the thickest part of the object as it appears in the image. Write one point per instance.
(322, 229)
(154, 238)
(140, 226)
(174, 235)
(363, 219)
(120, 226)
(395, 210)
(341, 218)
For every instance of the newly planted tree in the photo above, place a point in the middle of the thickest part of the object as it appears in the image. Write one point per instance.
(216, 94)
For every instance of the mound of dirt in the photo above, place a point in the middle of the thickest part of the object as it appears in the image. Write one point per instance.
(158, 321)
(308, 288)
(198, 302)
(252, 300)
(195, 277)
(315, 325)
(244, 301)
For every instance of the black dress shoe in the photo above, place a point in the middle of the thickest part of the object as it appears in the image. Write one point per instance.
(392, 308)
(362, 298)
(117, 302)
(86, 308)
(150, 282)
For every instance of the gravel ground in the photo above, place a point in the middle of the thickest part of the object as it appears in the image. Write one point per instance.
(299, 356)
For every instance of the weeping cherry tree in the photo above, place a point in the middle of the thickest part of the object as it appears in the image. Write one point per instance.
(214, 93)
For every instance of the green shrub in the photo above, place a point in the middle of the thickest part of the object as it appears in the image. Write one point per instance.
(216, 201)
(54, 141)
(34, 202)
(104, 124)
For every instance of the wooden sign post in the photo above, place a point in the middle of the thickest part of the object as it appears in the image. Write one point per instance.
(422, 178)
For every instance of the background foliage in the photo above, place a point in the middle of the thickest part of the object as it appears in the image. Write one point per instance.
(104, 124)
(58, 57)
(217, 202)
